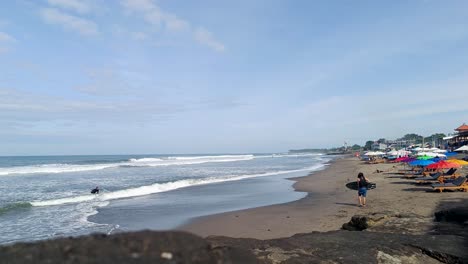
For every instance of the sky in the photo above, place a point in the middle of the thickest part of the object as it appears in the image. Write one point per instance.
(173, 76)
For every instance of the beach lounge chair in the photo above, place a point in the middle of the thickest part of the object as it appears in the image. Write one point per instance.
(459, 184)
(428, 179)
(414, 174)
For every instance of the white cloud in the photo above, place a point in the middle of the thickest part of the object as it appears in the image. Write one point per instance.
(4, 37)
(139, 5)
(69, 22)
(205, 37)
(74, 5)
(161, 19)
(5, 41)
(155, 16)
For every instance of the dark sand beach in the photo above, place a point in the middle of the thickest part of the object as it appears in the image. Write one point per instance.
(330, 204)
(398, 225)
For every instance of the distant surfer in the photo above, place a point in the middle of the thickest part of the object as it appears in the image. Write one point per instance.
(362, 183)
(95, 190)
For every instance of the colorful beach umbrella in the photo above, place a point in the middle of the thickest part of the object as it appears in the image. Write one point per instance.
(421, 162)
(402, 159)
(443, 165)
(436, 159)
(459, 161)
(408, 159)
(424, 157)
(451, 154)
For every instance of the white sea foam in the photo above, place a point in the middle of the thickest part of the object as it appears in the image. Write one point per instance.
(54, 168)
(143, 162)
(287, 155)
(171, 161)
(161, 187)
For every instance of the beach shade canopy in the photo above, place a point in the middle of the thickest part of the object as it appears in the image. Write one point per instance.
(464, 148)
(439, 151)
(451, 154)
(421, 149)
(374, 153)
(402, 159)
(403, 152)
(424, 157)
(459, 161)
(436, 159)
(408, 159)
(431, 154)
(443, 165)
(421, 162)
(392, 153)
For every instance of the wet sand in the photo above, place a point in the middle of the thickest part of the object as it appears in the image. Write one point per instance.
(329, 203)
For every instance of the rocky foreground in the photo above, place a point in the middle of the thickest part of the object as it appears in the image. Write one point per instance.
(386, 237)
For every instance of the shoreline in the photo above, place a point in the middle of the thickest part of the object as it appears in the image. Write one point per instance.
(329, 204)
(311, 213)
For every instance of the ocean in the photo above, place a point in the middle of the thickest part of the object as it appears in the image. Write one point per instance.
(44, 197)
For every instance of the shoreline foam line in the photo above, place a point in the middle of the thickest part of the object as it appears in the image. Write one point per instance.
(160, 187)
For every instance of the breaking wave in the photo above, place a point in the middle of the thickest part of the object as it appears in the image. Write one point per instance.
(159, 187)
(143, 162)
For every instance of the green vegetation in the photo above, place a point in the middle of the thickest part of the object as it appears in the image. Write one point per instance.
(409, 138)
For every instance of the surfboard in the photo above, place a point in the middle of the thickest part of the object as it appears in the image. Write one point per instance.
(354, 185)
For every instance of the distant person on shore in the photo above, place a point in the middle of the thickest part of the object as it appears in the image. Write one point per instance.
(362, 189)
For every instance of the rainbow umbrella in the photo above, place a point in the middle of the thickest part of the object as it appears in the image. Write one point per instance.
(402, 159)
(458, 161)
(424, 157)
(410, 160)
(443, 165)
(421, 162)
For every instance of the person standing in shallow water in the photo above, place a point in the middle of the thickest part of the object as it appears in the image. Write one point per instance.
(362, 189)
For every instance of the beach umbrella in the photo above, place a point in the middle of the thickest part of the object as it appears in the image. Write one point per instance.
(443, 165)
(421, 162)
(403, 152)
(408, 159)
(436, 159)
(424, 157)
(392, 153)
(451, 154)
(464, 148)
(459, 161)
(402, 159)
(440, 151)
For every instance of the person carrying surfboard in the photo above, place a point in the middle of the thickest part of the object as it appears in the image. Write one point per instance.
(362, 189)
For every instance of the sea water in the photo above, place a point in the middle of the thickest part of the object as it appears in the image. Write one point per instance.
(49, 196)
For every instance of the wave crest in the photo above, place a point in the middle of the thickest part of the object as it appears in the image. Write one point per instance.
(160, 187)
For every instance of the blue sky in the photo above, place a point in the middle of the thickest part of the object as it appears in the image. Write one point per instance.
(173, 76)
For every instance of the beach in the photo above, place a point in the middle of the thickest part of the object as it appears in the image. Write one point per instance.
(402, 223)
(330, 204)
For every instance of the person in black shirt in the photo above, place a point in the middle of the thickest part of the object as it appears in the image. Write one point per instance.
(362, 189)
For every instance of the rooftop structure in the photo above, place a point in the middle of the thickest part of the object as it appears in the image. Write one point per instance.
(460, 138)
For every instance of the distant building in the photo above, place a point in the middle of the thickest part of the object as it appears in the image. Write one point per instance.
(458, 139)
(379, 146)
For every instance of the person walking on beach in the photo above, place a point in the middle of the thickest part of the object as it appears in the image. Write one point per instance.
(362, 189)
